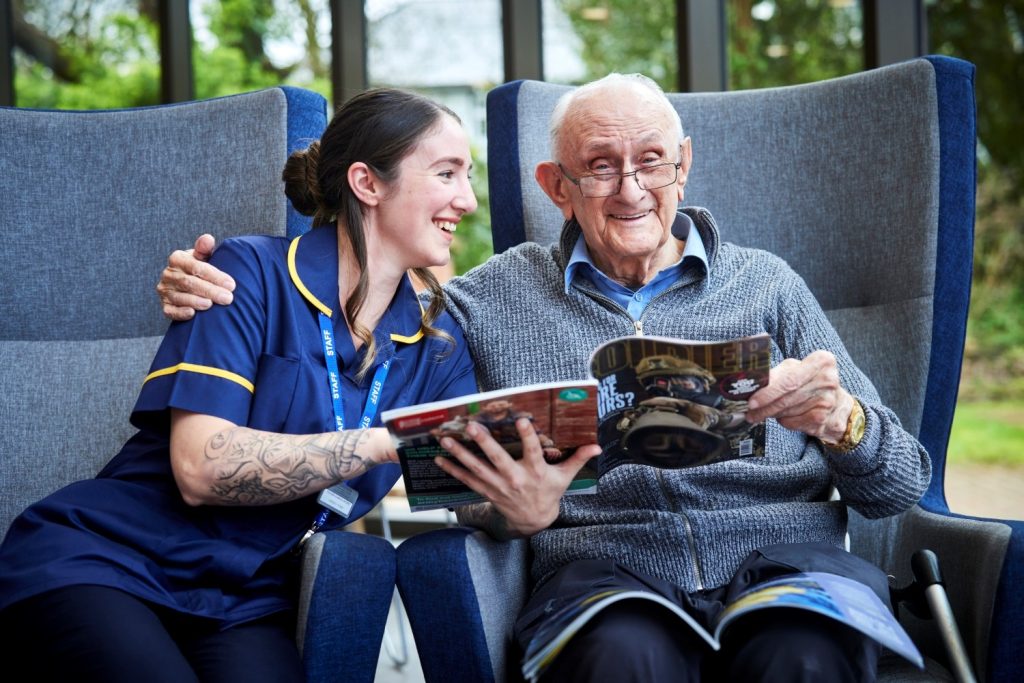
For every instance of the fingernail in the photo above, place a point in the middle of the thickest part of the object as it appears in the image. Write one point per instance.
(225, 298)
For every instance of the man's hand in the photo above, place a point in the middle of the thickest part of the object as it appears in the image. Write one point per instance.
(189, 284)
(525, 492)
(805, 395)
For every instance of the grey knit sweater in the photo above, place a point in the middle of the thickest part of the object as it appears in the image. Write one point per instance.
(694, 526)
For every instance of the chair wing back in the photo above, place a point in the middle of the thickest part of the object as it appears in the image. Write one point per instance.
(864, 184)
(93, 203)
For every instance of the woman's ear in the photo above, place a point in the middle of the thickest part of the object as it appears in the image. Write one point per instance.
(550, 178)
(365, 184)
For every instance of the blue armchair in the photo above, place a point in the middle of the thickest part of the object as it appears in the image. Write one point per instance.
(92, 204)
(865, 184)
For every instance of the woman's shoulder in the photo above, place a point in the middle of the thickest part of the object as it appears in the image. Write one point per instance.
(251, 255)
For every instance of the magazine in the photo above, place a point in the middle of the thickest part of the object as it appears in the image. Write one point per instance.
(563, 413)
(667, 403)
(673, 403)
(831, 595)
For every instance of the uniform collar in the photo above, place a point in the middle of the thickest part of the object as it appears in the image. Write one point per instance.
(313, 268)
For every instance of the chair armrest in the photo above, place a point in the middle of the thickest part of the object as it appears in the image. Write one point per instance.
(462, 591)
(982, 564)
(347, 585)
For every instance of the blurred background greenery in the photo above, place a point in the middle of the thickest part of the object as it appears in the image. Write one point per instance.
(75, 54)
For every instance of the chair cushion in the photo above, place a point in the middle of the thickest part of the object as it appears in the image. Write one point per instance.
(65, 412)
(127, 187)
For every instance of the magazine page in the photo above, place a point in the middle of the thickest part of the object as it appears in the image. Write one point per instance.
(674, 403)
(550, 638)
(563, 413)
(831, 595)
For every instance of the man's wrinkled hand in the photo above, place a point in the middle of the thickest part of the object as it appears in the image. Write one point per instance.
(189, 284)
(526, 491)
(805, 396)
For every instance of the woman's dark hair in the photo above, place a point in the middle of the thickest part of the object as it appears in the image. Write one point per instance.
(379, 127)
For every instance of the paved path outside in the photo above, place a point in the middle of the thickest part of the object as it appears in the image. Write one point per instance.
(985, 490)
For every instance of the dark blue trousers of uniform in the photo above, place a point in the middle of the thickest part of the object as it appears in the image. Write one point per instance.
(93, 633)
(637, 640)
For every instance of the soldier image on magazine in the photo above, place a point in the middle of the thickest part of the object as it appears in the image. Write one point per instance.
(672, 403)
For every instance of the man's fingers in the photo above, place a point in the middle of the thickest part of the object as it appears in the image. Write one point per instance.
(176, 283)
(193, 262)
(178, 314)
(205, 245)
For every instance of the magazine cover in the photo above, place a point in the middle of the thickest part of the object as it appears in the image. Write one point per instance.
(674, 403)
(563, 413)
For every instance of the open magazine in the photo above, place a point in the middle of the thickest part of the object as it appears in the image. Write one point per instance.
(834, 596)
(673, 403)
(563, 413)
(654, 401)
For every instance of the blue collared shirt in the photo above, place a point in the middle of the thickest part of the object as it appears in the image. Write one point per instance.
(635, 301)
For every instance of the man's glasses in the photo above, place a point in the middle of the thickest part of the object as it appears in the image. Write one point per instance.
(609, 184)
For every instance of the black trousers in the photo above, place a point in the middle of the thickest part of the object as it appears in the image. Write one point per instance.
(94, 633)
(637, 640)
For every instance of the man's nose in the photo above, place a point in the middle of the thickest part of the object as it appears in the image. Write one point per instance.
(630, 186)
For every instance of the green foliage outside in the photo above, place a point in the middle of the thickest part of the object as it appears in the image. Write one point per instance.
(991, 35)
(990, 432)
(104, 54)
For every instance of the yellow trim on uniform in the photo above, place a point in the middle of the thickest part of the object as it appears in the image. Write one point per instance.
(419, 333)
(407, 340)
(292, 248)
(203, 370)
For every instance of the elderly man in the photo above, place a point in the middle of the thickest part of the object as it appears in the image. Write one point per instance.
(695, 535)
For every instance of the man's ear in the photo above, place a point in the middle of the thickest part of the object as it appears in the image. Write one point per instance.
(366, 186)
(685, 159)
(553, 182)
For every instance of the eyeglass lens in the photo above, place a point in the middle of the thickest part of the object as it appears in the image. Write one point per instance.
(608, 184)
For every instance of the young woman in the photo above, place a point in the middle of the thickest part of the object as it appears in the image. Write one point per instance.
(177, 562)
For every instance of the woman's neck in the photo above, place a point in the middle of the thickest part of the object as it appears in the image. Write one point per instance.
(383, 280)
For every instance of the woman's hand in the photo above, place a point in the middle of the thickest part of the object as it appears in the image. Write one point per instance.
(525, 492)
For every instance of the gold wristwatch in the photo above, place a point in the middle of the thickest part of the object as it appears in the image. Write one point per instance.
(854, 431)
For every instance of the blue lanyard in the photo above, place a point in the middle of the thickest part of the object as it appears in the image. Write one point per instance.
(334, 378)
(369, 412)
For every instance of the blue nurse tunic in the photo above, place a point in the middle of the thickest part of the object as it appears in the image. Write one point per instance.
(260, 363)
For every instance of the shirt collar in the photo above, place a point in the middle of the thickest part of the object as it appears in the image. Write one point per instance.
(313, 267)
(682, 229)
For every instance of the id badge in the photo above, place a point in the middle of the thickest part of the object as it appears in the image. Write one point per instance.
(339, 499)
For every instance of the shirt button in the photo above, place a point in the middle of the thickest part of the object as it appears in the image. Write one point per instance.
(637, 297)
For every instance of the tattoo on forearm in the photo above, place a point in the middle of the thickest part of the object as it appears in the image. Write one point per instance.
(262, 468)
(485, 516)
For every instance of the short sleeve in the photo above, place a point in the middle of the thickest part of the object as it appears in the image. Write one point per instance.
(209, 364)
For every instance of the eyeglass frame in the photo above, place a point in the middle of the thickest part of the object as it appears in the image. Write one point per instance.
(622, 177)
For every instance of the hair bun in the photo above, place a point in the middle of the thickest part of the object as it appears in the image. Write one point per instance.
(301, 183)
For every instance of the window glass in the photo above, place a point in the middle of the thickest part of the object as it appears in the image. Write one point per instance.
(243, 45)
(451, 51)
(85, 55)
(786, 42)
(588, 39)
(985, 468)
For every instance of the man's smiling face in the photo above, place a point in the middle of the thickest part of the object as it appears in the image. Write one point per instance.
(620, 130)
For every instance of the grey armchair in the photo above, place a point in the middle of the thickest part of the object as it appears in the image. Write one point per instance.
(865, 184)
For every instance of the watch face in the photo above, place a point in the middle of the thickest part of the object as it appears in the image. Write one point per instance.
(857, 428)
